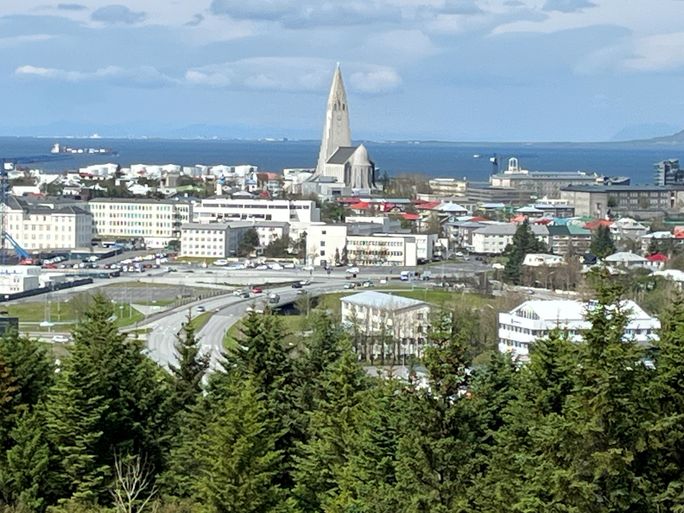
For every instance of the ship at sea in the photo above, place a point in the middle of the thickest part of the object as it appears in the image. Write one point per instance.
(59, 149)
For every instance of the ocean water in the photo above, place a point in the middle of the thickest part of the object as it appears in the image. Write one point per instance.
(431, 158)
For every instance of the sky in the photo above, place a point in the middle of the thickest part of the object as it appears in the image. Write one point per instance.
(456, 70)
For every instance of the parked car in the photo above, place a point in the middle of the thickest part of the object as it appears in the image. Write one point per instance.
(367, 283)
(244, 295)
(352, 270)
(349, 285)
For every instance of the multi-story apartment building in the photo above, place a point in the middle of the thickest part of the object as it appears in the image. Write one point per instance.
(156, 221)
(532, 320)
(448, 186)
(383, 249)
(493, 239)
(397, 326)
(668, 172)
(603, 200)
(325, 243)
(36, 226)
(222, 209)
(212, 240)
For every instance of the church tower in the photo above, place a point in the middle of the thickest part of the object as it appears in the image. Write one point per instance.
(336, 132)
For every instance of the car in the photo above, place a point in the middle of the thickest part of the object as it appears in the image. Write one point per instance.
(349, 285)
(201, 309)
(244, 295)
(261, 267)
(352, 270)
(308, 268)
(220, 262)
(296, 285)
(60, 339)
(238, 292)
(383, 281)
(289, 266)
(276, 267)
(257, 290)
(367, 283)
(301, 292)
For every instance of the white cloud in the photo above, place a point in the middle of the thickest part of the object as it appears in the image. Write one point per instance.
(142, 76)
(662, 52)
(293, 74)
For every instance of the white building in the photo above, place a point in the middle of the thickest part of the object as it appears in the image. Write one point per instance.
(18, 278)
(383, 249)
(493, 239)
(212, 240)
(47, 226)
(325, 243)
(543, 259)
(221, 209)
(626, 259)
(156, 221)
(532, 320)
(403, 321)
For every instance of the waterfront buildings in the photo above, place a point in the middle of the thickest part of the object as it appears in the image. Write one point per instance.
(668, 172)
(541, 184)
(156, 221)
(532, 320)
(18, 278)
(397, 326)
(603, 200)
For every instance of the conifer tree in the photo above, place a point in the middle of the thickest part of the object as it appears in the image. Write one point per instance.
(108, 399)
(331, 428)
(239, 463)
(602, 243)
(666, 392)
(524, 242)
(24, 476)
(191, 367)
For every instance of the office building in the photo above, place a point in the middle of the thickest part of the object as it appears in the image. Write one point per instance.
(221, 209)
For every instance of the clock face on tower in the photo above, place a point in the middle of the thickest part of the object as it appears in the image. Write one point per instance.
(339, 116)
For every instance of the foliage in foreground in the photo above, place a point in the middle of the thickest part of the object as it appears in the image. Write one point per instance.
(592, 427)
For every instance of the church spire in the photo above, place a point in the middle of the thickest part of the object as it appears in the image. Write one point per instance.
(336, 131)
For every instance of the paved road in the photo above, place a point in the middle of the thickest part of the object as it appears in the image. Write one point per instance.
(161, 339)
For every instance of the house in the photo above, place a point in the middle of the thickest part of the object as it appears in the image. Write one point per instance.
(626, 259)
(569, 238)
(397, 326)
(493, 239)
(535, 319)
(543, 259)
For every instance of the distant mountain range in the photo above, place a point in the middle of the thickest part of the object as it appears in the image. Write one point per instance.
(677, 138)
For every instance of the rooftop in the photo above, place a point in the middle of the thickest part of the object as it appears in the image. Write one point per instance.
(565, 310)
(382, 301)
(617, 188)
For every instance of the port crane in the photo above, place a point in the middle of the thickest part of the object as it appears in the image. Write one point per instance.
(23, 255)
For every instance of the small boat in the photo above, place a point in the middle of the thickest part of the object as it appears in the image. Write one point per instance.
(476, 156)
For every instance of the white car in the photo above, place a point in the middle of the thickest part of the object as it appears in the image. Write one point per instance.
(276, 267)
(352, 270)
(261, 267)
(220, 262)
(308, 268)
(60, 339)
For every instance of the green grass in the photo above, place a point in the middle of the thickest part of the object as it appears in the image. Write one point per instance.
(35, 311)
(157, 302)
(199, 321)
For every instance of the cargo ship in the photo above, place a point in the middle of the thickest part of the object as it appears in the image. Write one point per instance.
(59, 149)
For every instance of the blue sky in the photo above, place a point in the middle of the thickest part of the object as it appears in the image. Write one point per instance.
(463, 70)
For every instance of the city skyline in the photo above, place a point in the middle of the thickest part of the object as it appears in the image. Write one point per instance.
(462, 70)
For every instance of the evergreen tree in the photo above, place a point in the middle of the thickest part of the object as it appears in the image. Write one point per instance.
(602, 243)
(248, 243)
(238, 459)
(329, 434)
(524, 242)
(24, 476)
(31, 367)
(191, 368)
(108, 399)
(666, 392)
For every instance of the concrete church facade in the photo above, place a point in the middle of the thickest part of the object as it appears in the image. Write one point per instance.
(338, 160)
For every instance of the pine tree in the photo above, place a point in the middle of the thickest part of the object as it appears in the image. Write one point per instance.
(24, 476)
(330, 431)
(191, 368)
(602, 243)
(238, 459)
(666, 392)
(524, 242)
(108, 399)
(31, 367)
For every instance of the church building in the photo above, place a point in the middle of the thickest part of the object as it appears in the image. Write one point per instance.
(338, 160)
